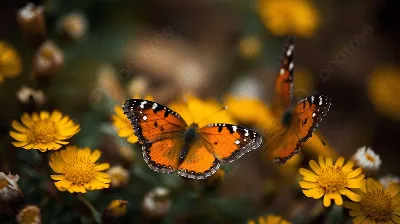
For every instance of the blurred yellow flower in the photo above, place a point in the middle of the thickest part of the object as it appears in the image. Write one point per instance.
(289, 17)
(119, 176)
(123, 124)
(270, 219)
(43, 131)
(29, 215)
(10, 61)
(377, 205)
(250, 47)
(332, 180)
(201, 112)
(383, 91)
(78, 171)
(116, 208)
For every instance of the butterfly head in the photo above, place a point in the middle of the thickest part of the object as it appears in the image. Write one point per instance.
(191, 133)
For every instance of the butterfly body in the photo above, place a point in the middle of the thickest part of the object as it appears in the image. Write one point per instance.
(169, 144)
(298, 121)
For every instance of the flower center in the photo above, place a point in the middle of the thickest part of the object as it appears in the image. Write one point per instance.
(377, 205)
(369, 158)
(43, 131)
(332, 179)
(3, 184)
(80, 171)
(30, 216)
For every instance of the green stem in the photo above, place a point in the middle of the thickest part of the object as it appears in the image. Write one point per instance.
(95, 214)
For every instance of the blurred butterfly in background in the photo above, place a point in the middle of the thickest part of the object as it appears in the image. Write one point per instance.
(169, 144)
(299, 121)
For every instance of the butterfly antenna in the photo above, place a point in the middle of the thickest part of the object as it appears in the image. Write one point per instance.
(212, 114)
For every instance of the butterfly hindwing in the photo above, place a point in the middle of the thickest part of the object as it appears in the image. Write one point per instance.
(284, 80)
(199, 163)
(229, 142)
(160, 131)
(306, 116)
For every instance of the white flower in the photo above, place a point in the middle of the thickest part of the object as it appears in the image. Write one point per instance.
(367, 159)
(119, 176)
(29, 215)
(156, 203)
(9, 188)
(388, 179)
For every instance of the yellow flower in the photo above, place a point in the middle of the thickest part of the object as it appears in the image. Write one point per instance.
(383, 91)
(270, 219)
(377, 205)
(123, 124)
(250, 47)
(43, 131)
(332, 180)
(116, 208)
(29, 215)
(78, 171)
(10, 62)
(289, 17)
(201, 112)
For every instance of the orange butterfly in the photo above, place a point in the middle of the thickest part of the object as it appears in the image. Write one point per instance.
(300, 121)
(169, 144)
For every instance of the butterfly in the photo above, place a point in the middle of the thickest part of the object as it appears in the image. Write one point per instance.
(298, 121)
(169, 144)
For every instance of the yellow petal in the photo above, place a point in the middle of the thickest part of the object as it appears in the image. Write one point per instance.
(351, 195)
(56, 116)
(338, 199)
(359, 219)
(308, 185)
(348, 167)
(355, 183)
(125, 132)
(327, 200)
(95, 155)
(102, 166)
(57, 177)
(373, 185)
(18, 136)
(356, 212)
(132, 139)
(339, 162)
(393, 189)
(18, 126)
(44, 115)
(19, 144)
(395, 218)
(314, 166)
(329, 161)
(308, 175)
(354, 173)
(26, 119)
(351, 205)
(321, 162)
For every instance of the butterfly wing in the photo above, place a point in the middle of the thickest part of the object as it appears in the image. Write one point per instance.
(229, 142)
(160, 131)
(306, 117)
(284, 80)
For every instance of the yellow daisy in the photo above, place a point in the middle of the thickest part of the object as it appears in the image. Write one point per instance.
(377, 205)
(201, 112)
(270, 219)
(123, 124)
(43, 131)
(10, 62)
(78, 170)
(289, 17)
(332, 180)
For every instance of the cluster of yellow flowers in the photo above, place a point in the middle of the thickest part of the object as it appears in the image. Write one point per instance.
(76, 168)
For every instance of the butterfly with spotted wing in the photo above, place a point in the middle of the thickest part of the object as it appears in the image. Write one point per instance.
(169, 144)
(299, 121)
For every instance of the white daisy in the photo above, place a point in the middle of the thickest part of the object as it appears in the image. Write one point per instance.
(9, 188)
(367, 159)
(156, 203)
(388, 179)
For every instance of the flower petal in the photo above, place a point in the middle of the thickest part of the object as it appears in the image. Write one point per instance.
(327, 200)
(353, 183)
(393, 189)
(314, 166)
(18, 136)
(348, 167)
(351, 205)
(308, 185)
(18, 126)
(44, 115)
(328, 161)
(356, 212)
(95, 155)
(102, 166)
(351, 195)
(354, 173)
(338, 199)
(321, 162)
(308, 175)
(359, 219)
(339, 162)
(57, 177)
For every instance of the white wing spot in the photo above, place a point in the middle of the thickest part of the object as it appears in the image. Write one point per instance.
(320, 102)
(234, 128)
(291, 66)
(314, 114)
(247, 132)
(142, 104)
(237, 142)
(154, 106)
(282, 71)
(144, 117)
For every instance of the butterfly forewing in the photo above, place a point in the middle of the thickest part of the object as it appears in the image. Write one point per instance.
(229, 142)
(284, 80)
(159, 130)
